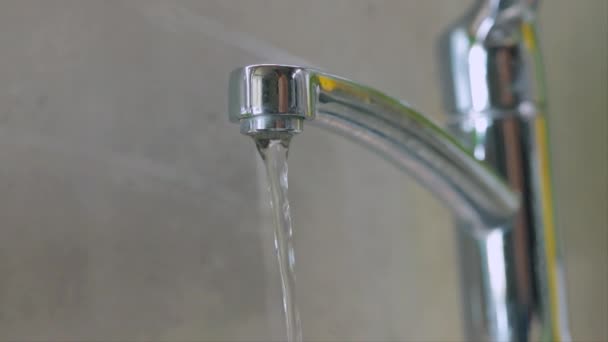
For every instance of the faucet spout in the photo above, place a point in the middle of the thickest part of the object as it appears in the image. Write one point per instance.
(273, 101)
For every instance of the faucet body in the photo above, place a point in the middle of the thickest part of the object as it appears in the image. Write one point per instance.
(495, 97)
(510, 265)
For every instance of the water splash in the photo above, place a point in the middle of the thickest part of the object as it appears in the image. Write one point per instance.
(274, 153)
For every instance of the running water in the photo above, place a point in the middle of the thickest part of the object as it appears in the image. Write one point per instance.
(274, 154)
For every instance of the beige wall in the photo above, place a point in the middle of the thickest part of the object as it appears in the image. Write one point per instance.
(130, 208)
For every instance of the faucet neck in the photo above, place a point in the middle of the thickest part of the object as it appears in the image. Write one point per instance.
(496, 22)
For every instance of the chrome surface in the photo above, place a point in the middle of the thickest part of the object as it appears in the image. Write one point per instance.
(511, 271)
(495, 97)
(494, 22)
(381, 123)
(269, 101)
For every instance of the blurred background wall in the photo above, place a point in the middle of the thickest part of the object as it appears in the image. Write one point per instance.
(130, 209)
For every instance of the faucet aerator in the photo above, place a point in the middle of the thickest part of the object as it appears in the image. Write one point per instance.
(272, 126)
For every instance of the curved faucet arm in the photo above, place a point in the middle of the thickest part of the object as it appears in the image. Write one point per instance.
(274, 100)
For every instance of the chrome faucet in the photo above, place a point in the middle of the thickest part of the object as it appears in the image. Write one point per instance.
(511, 274)
(496, 101)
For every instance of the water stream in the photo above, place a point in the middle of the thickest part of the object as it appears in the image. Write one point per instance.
(274, 153)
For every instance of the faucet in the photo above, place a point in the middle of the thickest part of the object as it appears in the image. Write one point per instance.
(495, 98)
(490, 167)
